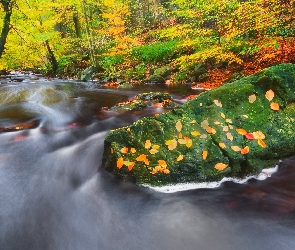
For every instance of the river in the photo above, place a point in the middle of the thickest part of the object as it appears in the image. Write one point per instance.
(55, 195)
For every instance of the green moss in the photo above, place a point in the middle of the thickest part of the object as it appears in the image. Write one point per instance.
(206, 121)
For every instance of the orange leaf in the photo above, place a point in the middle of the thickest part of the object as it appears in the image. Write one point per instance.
(250, 136)
(269, 95)
(210, 130)
(179, 158)
(236, 148)
(180, 135)
(147, 144)
(112, 150)
(220, 166)
(245, 150)
(143, 158)
(205, 154)
(124, 150)
(252, 98)
(258, 135)
(120, 162)
(261, 143)
(178, 126)
(275, 106)
(131, 165)
(241, 131)
(162, 163)
(222, 145)
(133, 150)
(166, 171)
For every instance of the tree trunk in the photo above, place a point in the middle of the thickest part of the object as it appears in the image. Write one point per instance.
(77, 25)
(52, 58)
(7, 6)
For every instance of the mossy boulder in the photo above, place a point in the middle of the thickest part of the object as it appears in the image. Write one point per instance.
(155, 79)
(234, 130)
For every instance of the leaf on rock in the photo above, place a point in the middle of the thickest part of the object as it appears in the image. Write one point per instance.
(203, 136)
(228, 120)
(180, 135)
(153, 151)
(210, 130)
(156, 146)
(261, 143)
(258, 135)
(130, 166)
(178, 126)
(222, 145)
(218, 103)
(147, 144)
(204, 154)
(236, 148)
(193, 121)
(229, 136)
(217, 123)
(195, 133)
(112, 150)
(225, 128)
(220, 166)
(241, 131)
(132, 150)
(275, 106)
(245, 150)
(250, 136)
(179, 158)
(172, 144)
(222, 115)
(143, 158)
(269, 95)
(204, 124)
(120, 162)
(252, 98)
(246, 116)
(162, 163)
(124, 150)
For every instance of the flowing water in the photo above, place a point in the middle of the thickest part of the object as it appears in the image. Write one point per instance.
(54, 193)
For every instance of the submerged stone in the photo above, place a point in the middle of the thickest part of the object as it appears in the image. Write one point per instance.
(234, 130)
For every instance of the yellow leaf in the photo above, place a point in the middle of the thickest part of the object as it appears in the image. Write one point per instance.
(229, 121)
(193, 121)
(156, 146)
(120, 162)
(195, 133)
(153, 151)
(205, 154)
(222, 115)
(222, 145)
(261, 143)
(258, 135)
(220, 166)
(182, 141)
(189, 143)
(147, 144)
(217, 123)
(201, 104)
(131, 165)
(252, 98)
(269, 95)
(236, 148)
(210, 130)
(241, 131)
(128, 129)
(133, 150)
(180, 135)
(179, 158)
(245, 150)
(178, 126)
(218, 103)
(172, 144)
(275, 106)
(229, 136)
(246, 116)
(204, 124)
(124, 150)
(225, 129)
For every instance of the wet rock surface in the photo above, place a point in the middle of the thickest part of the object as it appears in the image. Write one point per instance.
(234, 130)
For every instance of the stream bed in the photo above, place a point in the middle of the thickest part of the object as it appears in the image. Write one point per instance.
(54, 193)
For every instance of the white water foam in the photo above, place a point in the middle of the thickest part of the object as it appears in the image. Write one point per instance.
(265, 173)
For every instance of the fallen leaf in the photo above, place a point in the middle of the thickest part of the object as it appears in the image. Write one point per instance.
(222, 145)
(229, 136)
(189, 143)
(156, 146)
(147, 144)
(275, 106)
(180, 135)
(261, 143)
(157, 114)
(172, 144)
(222, 115)
(225, 128)
(133, 150)
(218, 103)
(203, 136)
(246, 116)
(124, 150)
(236, 148)
(258, 135)
(201, 104)
(228, 120)
(128, 129)
(179, 158)
(178, 126)
(195, 133)
(230, 127)
(162, 163)
(217, 123)
(153, 151)
(204, 124)
(269, 95)
(210, 130)
(205, 154)
(241, 131)
(120, 162)
(220, 166)
(182, 141)
(143, 158)
(245, 150)
(250, 136)
(112, 150)
(166, 171)
(252, 98)
(193, 121)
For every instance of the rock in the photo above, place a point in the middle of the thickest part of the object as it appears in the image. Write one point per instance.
(165, 72)
(125, 85)
(234, 130)
(155, 79)
(87, 74)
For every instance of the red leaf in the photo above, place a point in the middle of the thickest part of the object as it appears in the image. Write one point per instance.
(250, 136)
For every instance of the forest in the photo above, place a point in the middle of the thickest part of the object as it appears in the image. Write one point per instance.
(130, 40)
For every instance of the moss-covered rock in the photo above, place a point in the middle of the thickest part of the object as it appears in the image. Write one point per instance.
(234, 130)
